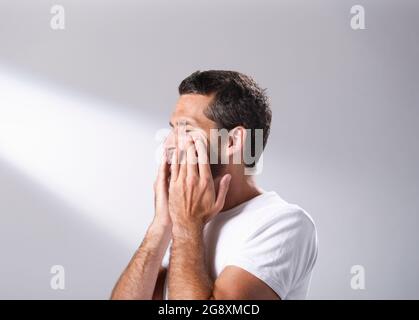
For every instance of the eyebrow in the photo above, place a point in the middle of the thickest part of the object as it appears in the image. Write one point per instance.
(188, 123)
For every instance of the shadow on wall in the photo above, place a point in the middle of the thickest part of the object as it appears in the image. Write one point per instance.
(39, 230)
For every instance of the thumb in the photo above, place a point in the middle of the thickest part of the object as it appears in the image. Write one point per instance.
(222, 192)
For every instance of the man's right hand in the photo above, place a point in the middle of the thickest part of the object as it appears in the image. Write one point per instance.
(142, 278)
(161, 195)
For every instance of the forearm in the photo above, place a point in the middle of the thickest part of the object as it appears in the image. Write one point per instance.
(139, 278)
(188, 275)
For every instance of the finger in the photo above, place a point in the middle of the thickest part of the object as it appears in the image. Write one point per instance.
(181, 140)
(183, 167)
(222, 192)
(203, 165)
(192, 160)
(163, 172)
(198, 133)
(174, 166)
(177, 143)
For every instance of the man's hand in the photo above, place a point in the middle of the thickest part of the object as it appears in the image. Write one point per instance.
(142, 278)
(161, 196)
(193, 200)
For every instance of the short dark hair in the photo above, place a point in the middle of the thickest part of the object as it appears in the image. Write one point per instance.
(238, 101)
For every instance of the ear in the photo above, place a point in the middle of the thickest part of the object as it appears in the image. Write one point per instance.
(237, 137)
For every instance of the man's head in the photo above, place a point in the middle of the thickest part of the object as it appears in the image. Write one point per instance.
(225, 100)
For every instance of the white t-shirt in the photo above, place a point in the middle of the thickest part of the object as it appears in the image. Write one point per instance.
(266, 236)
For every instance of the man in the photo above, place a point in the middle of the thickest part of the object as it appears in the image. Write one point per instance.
(215, 234)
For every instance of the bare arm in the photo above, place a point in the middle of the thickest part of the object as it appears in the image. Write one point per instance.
(138, 281)
(189, 278)
(141, 279)
(193, 201)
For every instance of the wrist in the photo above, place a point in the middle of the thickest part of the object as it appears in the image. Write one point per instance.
(162, 221)
(160, 228)
(188, 230)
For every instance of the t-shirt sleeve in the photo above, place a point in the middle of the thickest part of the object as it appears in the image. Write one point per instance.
(281, 251)
(166, 257)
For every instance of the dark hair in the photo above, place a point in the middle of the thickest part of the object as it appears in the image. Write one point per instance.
(238, 101)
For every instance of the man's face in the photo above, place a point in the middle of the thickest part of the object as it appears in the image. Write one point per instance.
(189, 109)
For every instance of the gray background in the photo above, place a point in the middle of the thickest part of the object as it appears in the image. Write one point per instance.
(76, 177)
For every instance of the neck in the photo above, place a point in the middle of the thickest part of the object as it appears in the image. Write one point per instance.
(242, 188)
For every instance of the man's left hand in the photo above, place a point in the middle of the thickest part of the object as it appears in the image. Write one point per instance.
(193, 199)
